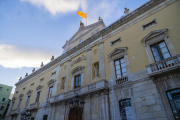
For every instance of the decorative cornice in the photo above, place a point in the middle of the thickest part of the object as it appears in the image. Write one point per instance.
(51, 81)
(116, 51)
(123, 20)
(88, 49)
(100, 42)
(39, 87)
(14, 98)
(78, 68)
(21, 95)
(61, 64)
(29, 92)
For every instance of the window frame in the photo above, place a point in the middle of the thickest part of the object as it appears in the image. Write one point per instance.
(26, 105)
(38, 96)
(120, 67)
(79, 76)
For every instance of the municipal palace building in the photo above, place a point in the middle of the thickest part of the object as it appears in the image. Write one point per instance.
(129, 70)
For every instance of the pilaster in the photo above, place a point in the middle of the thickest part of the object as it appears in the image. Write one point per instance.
(67, 75)
(88, 66)
(101, 61)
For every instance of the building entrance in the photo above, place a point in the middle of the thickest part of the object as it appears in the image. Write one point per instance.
(72, 114)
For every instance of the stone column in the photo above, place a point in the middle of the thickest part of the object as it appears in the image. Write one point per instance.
(101, 61)
(107, 105)
(87, 108)
(113, 75)
(57, 85)
(88, 66)
(67, 75)
(53, 111)
(103, 106)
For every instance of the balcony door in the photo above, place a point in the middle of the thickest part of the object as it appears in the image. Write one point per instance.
(72, 114)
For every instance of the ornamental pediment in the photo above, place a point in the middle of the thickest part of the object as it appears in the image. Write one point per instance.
(29, 91)
(156, 33)
(51, 81)
(78, 60)
(39, 87)
(21, 95)
(117, 52)
(14, 98)
(78, 69)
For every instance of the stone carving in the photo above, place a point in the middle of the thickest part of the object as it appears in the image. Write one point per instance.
(81, 25)
(96, 70)
(20, 78)
(65, 67)
(51, 81)
(126, 10)
(21, 95)
(78, 60)
(100, 19)
(29, 91)
(95, 51)
(52, 58)
(26, 75)
(39, 87)
(41, 64)
(33, 70)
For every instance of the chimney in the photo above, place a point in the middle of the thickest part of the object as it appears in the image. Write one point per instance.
(20, 78)
(41, 64)
(52, 58)
(81, 25)
(33, 70)
(126, 10)
(26, 75)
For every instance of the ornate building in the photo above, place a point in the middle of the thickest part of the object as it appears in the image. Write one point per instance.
(129, 70)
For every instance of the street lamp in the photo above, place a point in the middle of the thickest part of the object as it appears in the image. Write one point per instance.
(25, 115)
(76, 104)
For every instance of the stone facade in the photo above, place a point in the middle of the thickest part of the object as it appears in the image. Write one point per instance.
(141, 92)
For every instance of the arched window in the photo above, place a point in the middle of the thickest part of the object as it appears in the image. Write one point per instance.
(80, 41)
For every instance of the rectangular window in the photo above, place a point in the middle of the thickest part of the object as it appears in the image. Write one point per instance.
(19, 103)
(126, 109)
(115, 42)
(77, 82)
(150, 24)
(7, 89)
(38, 96)
(16, 92)
(120, 67)
(28, 99)
(42, 79)
(54, 73)
(1, 88)
(32, 84)
(160, 51)
(50, 92)
(24, 89)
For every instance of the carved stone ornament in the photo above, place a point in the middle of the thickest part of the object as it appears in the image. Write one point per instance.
(95, 51)
(65, 67)
(78, 69)
(78, 60)
(14, 98)
(39, 87)
(117, 53)
(29, 91)
(51, 81)
(100, 42)
(154, 36)
(21, 95)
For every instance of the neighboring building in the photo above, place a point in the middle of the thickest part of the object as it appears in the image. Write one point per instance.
(129, 70)
(5, 92)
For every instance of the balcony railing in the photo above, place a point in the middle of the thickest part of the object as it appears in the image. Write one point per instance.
(121, 80)
(16, 111)
(100, 85)
(164, 65)
(34, 106)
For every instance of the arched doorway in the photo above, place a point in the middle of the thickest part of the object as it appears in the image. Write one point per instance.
(72, 114)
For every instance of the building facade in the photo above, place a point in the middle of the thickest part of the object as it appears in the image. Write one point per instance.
(129, 70)
(5, 92)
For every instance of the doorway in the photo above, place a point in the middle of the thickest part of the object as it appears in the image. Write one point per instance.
(72, 114)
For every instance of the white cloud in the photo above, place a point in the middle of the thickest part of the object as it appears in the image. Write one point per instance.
(58, 6)
(17, 57)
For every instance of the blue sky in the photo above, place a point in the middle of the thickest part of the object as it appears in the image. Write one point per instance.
(31, 31)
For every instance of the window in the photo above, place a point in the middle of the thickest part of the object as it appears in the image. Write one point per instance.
(125, 109)
(3, 99)
(19, 103)
(32, 84)
(2, 108)
(7, 89)
(81, 41)
(32, 118)
(54, 73)
(1, 88)
(174, 100)
(50, 92)
(45, 117)
(24, 89)
(42, 79)
(150, 24)
(27, 102)
(38, 96)
(160, 51)
(77, 82)
(16, 92)
(115, 42)
(120, 67)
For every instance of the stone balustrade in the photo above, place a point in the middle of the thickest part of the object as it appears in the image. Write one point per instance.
(94, 87)
(34, 106)
(15, 111)
(164, 65)
(121, 80)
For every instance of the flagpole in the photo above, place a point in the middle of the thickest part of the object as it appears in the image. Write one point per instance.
(86, 19)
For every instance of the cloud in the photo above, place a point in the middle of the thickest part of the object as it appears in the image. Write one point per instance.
(58, 6)
(23, 56)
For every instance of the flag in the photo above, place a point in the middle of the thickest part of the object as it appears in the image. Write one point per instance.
(82, 14)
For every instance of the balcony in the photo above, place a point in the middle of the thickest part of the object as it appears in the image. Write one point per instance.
(34, 106)
(121, 80)
(87, 89)
(163, 66)
(14, 112)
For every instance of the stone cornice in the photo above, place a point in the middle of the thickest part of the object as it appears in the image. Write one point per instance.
(123, 20)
